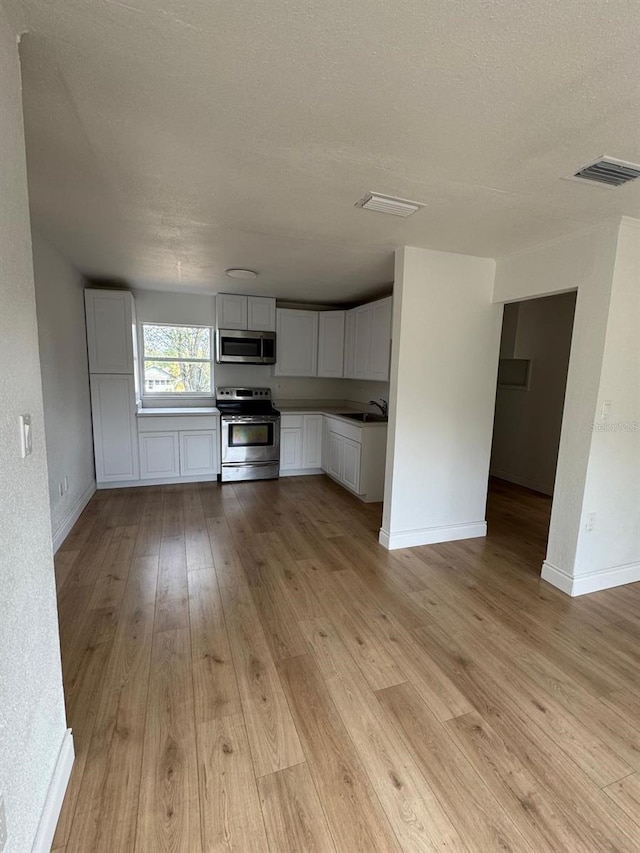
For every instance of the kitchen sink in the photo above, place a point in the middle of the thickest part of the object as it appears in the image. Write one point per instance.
(365, 417)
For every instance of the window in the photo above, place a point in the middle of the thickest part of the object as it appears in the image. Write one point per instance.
(176, 359)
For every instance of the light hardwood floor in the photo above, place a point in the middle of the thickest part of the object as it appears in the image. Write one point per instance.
(246, 669)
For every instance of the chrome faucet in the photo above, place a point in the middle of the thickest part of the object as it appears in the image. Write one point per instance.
(382, 405)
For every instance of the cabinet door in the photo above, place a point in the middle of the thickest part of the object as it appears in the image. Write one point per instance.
(231, 311)
(312, 441)
(199, 453)
(362, 342)
(326, 432)
(380, 340)
(331, 343)
(110, 331)
(291, 449)
(351, 464)
(349, 344)
(114, 427)
(296, 342)
(262, 314)
(159, 455)
(336, 453)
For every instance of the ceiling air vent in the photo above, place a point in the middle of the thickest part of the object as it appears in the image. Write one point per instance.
(389, 204)
(609, 172)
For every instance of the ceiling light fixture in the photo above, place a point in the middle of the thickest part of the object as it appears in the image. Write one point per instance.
(240, 273)
(389, 204)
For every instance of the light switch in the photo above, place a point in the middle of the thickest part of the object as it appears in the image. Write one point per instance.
(25, 435)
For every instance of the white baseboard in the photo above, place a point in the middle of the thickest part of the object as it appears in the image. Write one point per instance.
(593, 581)
(159, 481)
(55, 796)
(431, 535)
(301, 472)
(534, 485)
(73, 515)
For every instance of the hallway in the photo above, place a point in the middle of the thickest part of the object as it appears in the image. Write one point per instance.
(247, 669)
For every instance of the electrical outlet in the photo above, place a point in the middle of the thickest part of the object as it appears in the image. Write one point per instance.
(591, 520)
(66, 483)
(61, 489)
(4, 835)
(606, 409)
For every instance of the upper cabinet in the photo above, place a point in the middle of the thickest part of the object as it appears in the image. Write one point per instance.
(296, 342)
(331, 343)
(262, 313)
(355, 344)
(255, 313)
(369, 341)
(110, 330)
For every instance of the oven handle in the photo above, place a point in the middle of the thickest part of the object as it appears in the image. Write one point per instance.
(254, 419)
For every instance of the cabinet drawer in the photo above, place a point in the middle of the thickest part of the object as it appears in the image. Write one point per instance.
(291, 421)
(169, 423)
(346, 430)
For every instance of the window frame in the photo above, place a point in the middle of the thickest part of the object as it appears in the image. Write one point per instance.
(175, 395)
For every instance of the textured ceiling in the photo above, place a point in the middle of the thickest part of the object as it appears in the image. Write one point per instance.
(170, 139)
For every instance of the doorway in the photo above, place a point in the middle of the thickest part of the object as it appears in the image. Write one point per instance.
(534, 361)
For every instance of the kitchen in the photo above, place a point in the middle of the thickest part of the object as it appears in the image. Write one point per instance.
(326, 372)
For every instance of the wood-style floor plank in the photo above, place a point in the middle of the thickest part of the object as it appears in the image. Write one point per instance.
(626, 793)
(355, 816)
(272, 735)
(231, 815)
(169, 809)
(246, 669)
(292, 812)
(214, 676)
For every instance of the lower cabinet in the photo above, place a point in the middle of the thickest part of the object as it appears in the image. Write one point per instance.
(159, 455)
(301, 443)
(198, 453)
(174, 453)
(354, 456)
(114, 427)
(344, 461)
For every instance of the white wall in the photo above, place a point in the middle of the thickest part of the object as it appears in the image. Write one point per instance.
(157, 307)
(32, 716)
(446, 334)
(65, 384)
(584, 262)
(610, 552)
(526, 429)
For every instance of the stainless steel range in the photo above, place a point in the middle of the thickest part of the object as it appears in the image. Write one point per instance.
(250, 434)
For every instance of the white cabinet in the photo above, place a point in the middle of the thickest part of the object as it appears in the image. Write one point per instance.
(351, 464)
(349, 344)
(234, 311)
(312, 441)
(370, 327)
(362, 342)
(114, 427)
(159, 455)
(262, 313)
(354, 456)
(296, 342)
(198, 453)
(336, 455)
(231, 311)
(380, 340)
(301, 443)
(171, 447)
(291, 449)
(331, 343)
(110, 330)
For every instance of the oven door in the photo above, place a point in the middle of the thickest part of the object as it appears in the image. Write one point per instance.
(254, 438)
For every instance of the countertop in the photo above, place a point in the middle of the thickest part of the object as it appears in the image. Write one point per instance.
(178, 410)
(329, 407)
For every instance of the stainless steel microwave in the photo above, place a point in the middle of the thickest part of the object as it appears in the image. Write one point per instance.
(241, 347)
